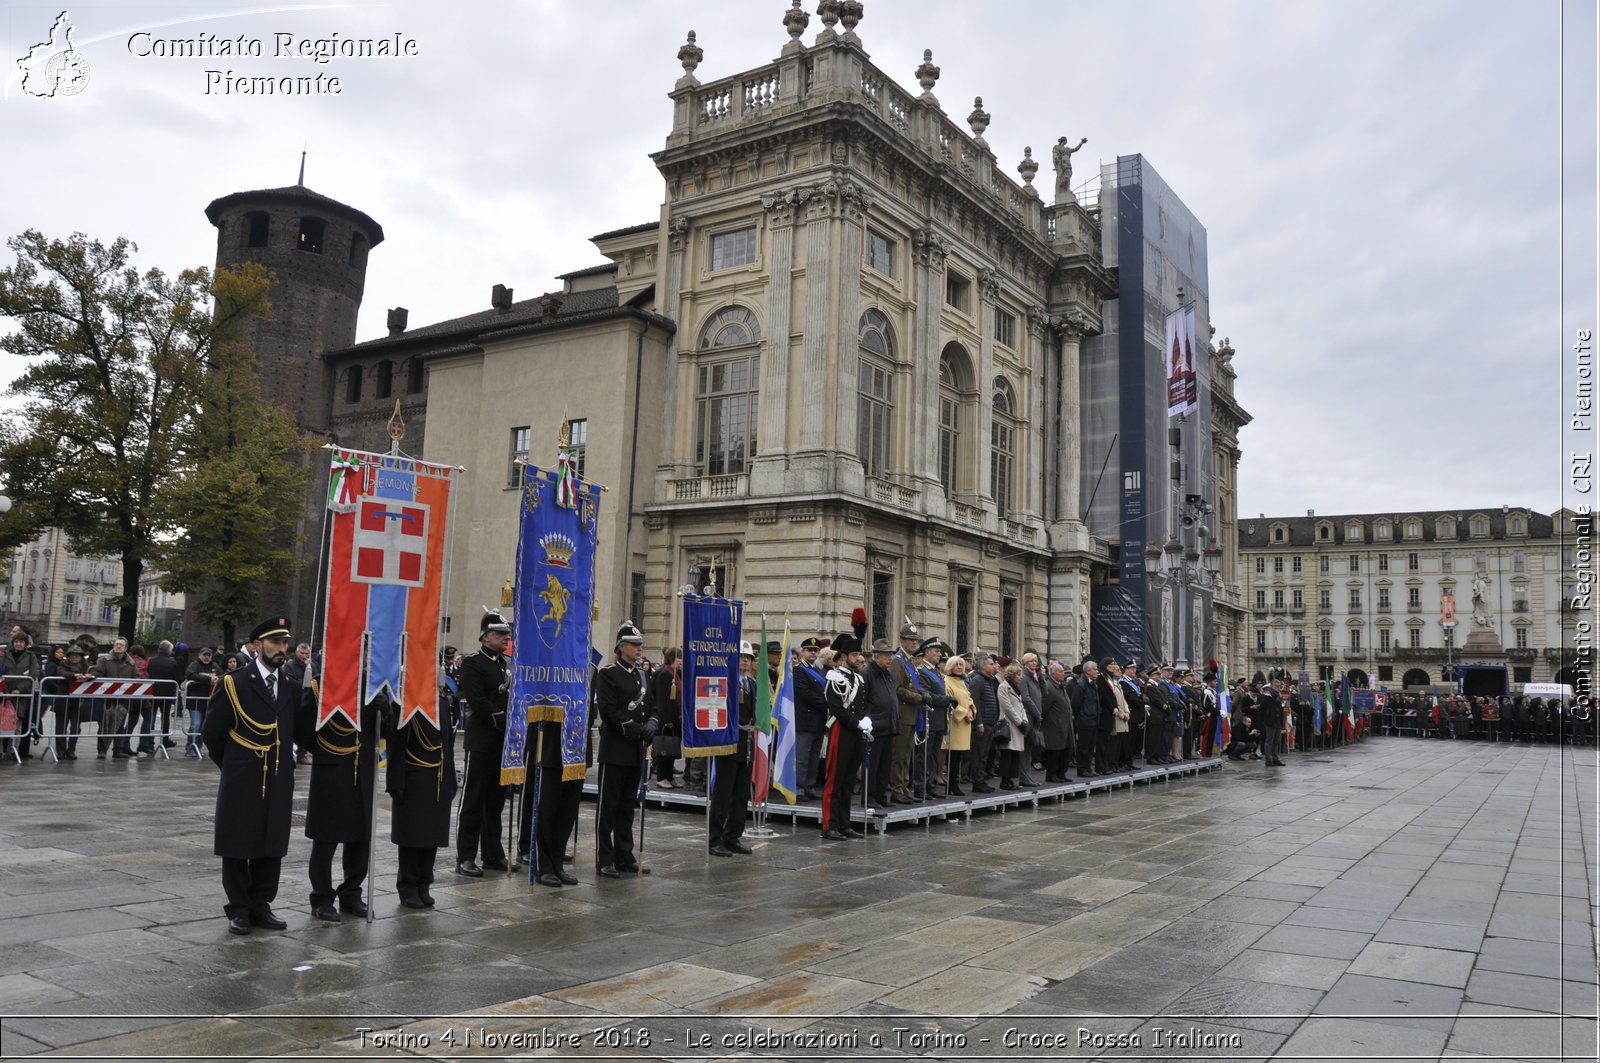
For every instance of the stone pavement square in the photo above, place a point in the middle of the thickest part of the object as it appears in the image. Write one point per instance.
(1398, 899)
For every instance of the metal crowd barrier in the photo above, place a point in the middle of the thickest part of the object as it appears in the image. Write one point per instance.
(69, 701)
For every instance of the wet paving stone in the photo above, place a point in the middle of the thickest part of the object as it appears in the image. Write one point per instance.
(1359, 882)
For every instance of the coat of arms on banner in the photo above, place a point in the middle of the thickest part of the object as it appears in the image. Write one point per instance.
(552, 593)
(711, 702)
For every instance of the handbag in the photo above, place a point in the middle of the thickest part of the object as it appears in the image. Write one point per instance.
(1002, 731)
(668, 746)
(8, 717)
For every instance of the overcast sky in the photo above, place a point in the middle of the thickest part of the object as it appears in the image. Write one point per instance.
(1379, 181)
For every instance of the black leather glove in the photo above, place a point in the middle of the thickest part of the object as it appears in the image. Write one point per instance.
(630, 729)
(651, 729)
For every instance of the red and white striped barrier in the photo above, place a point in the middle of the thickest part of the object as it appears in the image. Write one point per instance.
(113, 688)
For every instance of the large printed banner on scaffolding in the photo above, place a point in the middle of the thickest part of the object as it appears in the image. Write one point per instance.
(385, 584)
(556, 538)
(1183, 388)
(710, 681)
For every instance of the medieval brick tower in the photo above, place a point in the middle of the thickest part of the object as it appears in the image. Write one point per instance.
(316, 248)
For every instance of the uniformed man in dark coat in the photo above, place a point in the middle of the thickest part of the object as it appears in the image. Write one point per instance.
(249, 732)
(730, 783)
(485, 683)
(810, 717)
(421, 780)
(339, 805)
(850, 726)
(621, 699)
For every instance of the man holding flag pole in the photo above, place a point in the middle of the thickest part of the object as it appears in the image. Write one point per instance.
(731, 772)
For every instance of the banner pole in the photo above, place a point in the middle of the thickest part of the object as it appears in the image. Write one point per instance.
(538, 784)
(372, 802)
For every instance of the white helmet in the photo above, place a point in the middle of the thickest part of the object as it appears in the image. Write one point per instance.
(746, 650)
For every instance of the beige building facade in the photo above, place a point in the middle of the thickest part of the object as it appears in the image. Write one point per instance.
(1365, 593)
(60, 595)
(840, 368)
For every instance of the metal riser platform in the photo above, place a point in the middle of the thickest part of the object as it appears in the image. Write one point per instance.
(880, 819)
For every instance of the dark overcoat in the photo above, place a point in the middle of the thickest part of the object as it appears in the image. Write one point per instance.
(251, 737)
(343, 771)
(421, 779)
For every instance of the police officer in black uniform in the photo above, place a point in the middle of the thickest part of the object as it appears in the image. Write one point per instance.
(851, 730)
(339, 805)
(485, 686)
(730, 787)
(421, 780)
(249, 732)
(621, 698)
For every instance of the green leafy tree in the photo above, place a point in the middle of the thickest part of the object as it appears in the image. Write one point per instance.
(112, 385)
(244, 487)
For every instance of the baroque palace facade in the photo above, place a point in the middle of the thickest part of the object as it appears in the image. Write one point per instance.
(1365, 593)
(842, 367)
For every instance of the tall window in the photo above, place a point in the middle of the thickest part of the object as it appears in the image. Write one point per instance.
(416, 375)
(1277, 599)
(352, 384)
(1261, 641)
(519, 453)
(1005, 327)
(1002, 439)
(1324, 641)
(1384, 640)
(1411, 562)
(963, 619)
(1325, 599)
(1383, 599)
(69, 606)
(1261, 566)
(1355, 599)
(1355, 563)
(1355, 640)
(957, 290)
(1277, 566)
(383, 382)
(1294, 565)
(1522, 638)
(876, 393)
(1519, 561)
(882, 604)
(1323, 564)
(736, 247)
(1299, 600)
(949, 429)
(636, 597)
(728, 384)
(1383, 562)
(578, 443)
(1414, 638)
(1261, 600)
(1413, 596)
(880, 253)
(1008, 626)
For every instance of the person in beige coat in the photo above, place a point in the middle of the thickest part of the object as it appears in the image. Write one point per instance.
(959, 738)
(1014, 712)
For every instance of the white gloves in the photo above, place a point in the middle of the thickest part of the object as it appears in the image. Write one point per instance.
(866, 726)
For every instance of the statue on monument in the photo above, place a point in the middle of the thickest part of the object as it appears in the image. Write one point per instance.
(1061, 156)
(1480, 599)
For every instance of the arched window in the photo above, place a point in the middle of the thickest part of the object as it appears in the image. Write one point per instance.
(257, 225)
(728, 381)
(312, 231)
(955, 388)
(358, 251)
(875, 411)
(352, 385)
(1002, 444)
(416, 374)
(383, 382)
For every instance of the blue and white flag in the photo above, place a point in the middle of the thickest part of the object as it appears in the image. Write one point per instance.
(783, 767)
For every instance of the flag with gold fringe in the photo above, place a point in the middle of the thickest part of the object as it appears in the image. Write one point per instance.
(554, 610)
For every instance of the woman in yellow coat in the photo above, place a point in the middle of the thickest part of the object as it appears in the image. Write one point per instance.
(959, 739)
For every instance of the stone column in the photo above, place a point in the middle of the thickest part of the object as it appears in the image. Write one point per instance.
(678, 448)
(771, 449)
(927, 278)
(816, 387)
(850, 211)
(1069, 484)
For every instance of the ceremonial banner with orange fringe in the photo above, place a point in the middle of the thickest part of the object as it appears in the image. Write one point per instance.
(385, 584)
(553, 619)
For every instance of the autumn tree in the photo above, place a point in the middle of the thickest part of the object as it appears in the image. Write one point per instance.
(116, 363)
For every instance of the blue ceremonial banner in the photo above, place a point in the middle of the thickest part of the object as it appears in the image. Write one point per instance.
(554, 606)
(710, 681)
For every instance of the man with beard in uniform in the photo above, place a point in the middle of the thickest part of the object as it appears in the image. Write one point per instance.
(730, 784)
(628, 722)
(850, 730)
(485, 682)
(249, 732)
(339, 805)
